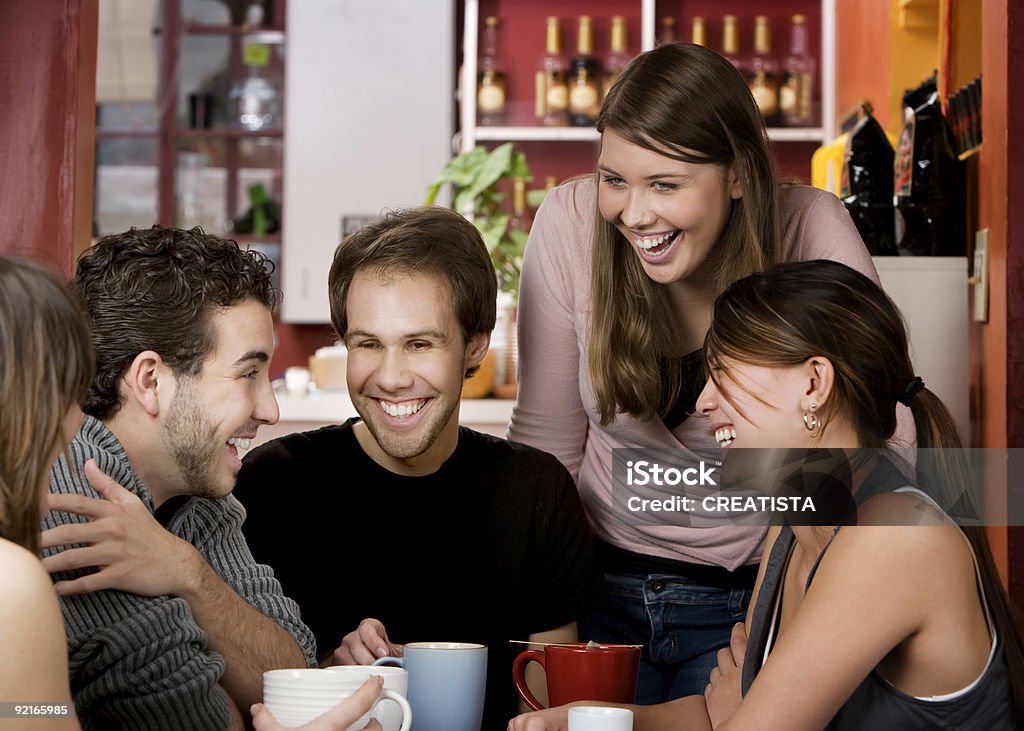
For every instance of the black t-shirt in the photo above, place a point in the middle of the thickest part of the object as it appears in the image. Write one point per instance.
(492, 547)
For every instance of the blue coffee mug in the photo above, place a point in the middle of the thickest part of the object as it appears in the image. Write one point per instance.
(447, 683)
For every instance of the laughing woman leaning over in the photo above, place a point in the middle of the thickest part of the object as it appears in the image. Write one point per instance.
(897, 622)
(618, 283)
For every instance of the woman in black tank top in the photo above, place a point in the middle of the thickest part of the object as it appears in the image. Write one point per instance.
(889, 615)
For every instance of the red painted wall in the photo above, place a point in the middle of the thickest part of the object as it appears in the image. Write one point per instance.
(48, 98)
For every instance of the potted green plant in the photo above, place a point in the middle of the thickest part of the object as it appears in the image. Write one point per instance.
(475, 177)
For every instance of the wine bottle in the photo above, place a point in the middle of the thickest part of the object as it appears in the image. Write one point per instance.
(521, 218)
(519, 228)
(552, 92)
(584, 78)
(617, 59)
(763, 75)
(491, 85)
(797, 79)
(731, 41)
(254, 100)
(668, 30)
(699, 34)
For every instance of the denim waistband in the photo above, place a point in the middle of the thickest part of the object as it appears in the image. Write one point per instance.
(617, 560)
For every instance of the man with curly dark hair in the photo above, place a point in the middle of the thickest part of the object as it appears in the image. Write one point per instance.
(170, 621)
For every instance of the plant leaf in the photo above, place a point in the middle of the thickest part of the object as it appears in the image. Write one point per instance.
(518, 167)
(515, 243)
(493, 169)
(492, 229)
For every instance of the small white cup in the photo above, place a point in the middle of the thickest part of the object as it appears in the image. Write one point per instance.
(296, 380)
(387, 711)
(598, 718)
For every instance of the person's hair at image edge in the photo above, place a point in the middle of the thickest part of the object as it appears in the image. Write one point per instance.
(155, 289)
(690, 104)
(792, 312)
(428, 240)
(46, 366)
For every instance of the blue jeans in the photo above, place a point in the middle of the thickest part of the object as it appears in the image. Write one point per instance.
(680, 624)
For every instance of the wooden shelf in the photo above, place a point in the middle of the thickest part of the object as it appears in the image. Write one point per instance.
(797, 134)
(107, 134)
(554, 134)
(589, 134)
(268, 35)
(226, 133)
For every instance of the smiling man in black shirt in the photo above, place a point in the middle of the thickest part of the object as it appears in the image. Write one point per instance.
(435, 531)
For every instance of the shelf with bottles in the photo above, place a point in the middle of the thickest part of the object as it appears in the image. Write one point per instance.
(229, 86)
(521, 48)
(213, 177)
(263, 34)
(785, 49)
(525, 35)
(225, 133)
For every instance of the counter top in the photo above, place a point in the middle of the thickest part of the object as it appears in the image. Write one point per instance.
(336, 406)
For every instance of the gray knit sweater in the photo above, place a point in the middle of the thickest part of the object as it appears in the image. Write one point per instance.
(142, 662)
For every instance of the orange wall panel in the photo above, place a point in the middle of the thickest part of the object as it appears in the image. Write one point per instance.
(862, 56)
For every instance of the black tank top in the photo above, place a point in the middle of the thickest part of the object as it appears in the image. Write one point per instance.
(876, 704)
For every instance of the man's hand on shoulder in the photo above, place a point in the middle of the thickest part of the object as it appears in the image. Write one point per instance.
(130, 549)
(368, 642)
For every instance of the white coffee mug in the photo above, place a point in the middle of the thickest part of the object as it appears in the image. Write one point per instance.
(297, 696)
(598, 718)
(388, 712)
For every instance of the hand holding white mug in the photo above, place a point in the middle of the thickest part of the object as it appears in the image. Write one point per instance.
(338, 718)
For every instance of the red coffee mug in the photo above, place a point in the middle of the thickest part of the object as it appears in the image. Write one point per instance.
(576, 672)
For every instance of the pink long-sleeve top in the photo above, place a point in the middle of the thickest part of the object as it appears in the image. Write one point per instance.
(556, 408)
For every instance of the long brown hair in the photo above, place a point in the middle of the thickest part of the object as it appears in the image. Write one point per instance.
(46, 365)
(792, 312)
(688, 103)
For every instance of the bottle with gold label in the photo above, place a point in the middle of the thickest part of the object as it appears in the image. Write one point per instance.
(552, 98)
(491, 86)
(795, 94)
(763, 74)
(699, 35)
(615, 61)
(668, 30)
(584, 79)
(731, 41)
